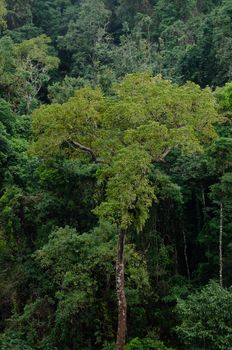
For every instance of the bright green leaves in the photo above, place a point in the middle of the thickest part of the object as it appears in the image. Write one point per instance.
(36, 50)
(129, 192)
(147, 135)
(174, 106)
(51, 120)
(76, 120)
(224, 96)
(146, 344)
(186, 114)
(145, 119)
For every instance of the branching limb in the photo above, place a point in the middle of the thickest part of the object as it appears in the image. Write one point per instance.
(83, 148)
(164, 154)
(87, 150)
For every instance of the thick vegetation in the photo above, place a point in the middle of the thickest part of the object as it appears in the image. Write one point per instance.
(116, 174)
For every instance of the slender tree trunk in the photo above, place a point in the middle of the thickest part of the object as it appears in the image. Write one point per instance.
(220, 246)
(203, 203)
(176, 260)
(122, 305)
(203, 198)
(198, 213)
(186, 255)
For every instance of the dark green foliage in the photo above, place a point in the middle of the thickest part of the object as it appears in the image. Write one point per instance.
(181, 41)
(60, 92)
(205, 318)
(7, 130)
(13, 343)
(80, 269)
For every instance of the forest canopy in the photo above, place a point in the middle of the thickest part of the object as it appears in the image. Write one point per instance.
(116, 174)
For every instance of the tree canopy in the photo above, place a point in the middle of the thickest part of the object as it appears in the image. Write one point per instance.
(116, 173)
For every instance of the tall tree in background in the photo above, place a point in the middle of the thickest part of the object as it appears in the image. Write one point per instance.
(25, 69)
(18, 13)
(221, 153)
(87, 39)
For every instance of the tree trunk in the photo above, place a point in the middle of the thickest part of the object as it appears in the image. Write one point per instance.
(198, 213)
(122, 306)
(220, 246)
(176, 260)
(186, 255)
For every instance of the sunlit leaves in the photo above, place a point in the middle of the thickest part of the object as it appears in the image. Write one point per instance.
(145, 119)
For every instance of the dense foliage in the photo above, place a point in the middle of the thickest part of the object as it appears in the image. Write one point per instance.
(115, 115)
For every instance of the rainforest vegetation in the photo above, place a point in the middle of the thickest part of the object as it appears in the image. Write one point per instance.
(115, 174)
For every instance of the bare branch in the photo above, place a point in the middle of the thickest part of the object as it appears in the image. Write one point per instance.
(83, 148)
(87, 150)
(164, 154)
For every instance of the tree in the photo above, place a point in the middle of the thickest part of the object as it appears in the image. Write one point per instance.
(221, 196)
(125, 135)
(25, 68)
(32, 70)
(220, 192)
(135, 51)
(221, 153)
(87, 39)
(18, 13)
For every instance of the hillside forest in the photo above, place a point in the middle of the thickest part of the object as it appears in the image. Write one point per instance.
(115, 174)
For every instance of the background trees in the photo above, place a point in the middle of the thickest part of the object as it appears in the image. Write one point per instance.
(25, 68)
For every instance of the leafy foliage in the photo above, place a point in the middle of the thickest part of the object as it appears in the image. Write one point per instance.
(205, 318)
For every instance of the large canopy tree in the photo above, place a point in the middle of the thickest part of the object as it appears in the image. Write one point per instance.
(126, 134)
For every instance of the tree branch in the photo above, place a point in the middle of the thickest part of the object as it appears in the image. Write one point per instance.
(83, 148)
(164, 154)
(87, 150)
